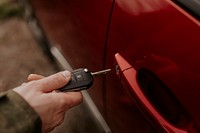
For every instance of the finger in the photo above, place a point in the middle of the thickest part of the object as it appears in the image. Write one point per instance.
(32, 77)
(69, 99)
(23, 84)
(55, 81)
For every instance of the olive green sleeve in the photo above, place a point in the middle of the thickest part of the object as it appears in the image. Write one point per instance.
(16, 115)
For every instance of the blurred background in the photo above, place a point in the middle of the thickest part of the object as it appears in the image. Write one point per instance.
(20, 54)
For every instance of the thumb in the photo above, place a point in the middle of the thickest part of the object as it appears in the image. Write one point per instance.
(55, 81)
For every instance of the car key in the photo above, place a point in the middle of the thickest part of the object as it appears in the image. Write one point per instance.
(81, 79)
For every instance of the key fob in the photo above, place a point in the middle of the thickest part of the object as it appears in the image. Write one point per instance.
(81, 79)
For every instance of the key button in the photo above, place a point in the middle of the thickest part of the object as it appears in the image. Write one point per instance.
(79, 77)
(73, 79)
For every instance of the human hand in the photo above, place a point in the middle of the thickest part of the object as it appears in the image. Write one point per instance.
(50, 105)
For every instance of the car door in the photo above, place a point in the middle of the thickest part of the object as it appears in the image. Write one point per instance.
(154, 47)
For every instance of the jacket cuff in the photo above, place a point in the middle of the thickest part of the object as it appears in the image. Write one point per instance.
(16, 115)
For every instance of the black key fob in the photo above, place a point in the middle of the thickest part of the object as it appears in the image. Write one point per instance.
(81, 79)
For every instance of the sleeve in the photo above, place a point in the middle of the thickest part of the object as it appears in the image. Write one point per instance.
(16, 115)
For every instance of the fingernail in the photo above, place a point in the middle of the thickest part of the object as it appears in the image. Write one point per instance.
(67, 74)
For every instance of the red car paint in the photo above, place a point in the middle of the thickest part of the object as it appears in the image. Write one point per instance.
(129, 74)
(155, 35)
(158, 37)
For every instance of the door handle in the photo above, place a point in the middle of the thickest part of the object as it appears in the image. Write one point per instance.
(129, 76)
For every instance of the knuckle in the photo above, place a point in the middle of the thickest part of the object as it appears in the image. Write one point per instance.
(63, 102)
(32, 84)
(60, 77)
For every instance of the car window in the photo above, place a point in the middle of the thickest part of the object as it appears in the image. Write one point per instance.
(192, 6)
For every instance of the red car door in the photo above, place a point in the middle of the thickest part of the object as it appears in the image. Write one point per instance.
(157, 62)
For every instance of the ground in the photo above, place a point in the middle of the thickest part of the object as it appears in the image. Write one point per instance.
(20, 54)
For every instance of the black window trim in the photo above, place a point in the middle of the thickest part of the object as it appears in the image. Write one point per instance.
(191, 6)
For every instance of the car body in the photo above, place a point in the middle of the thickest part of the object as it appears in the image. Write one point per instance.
(152, 47)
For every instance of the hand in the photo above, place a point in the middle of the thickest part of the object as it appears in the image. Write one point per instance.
(51, 106)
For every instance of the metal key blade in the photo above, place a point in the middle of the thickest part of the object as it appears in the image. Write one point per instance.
(101, 72)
